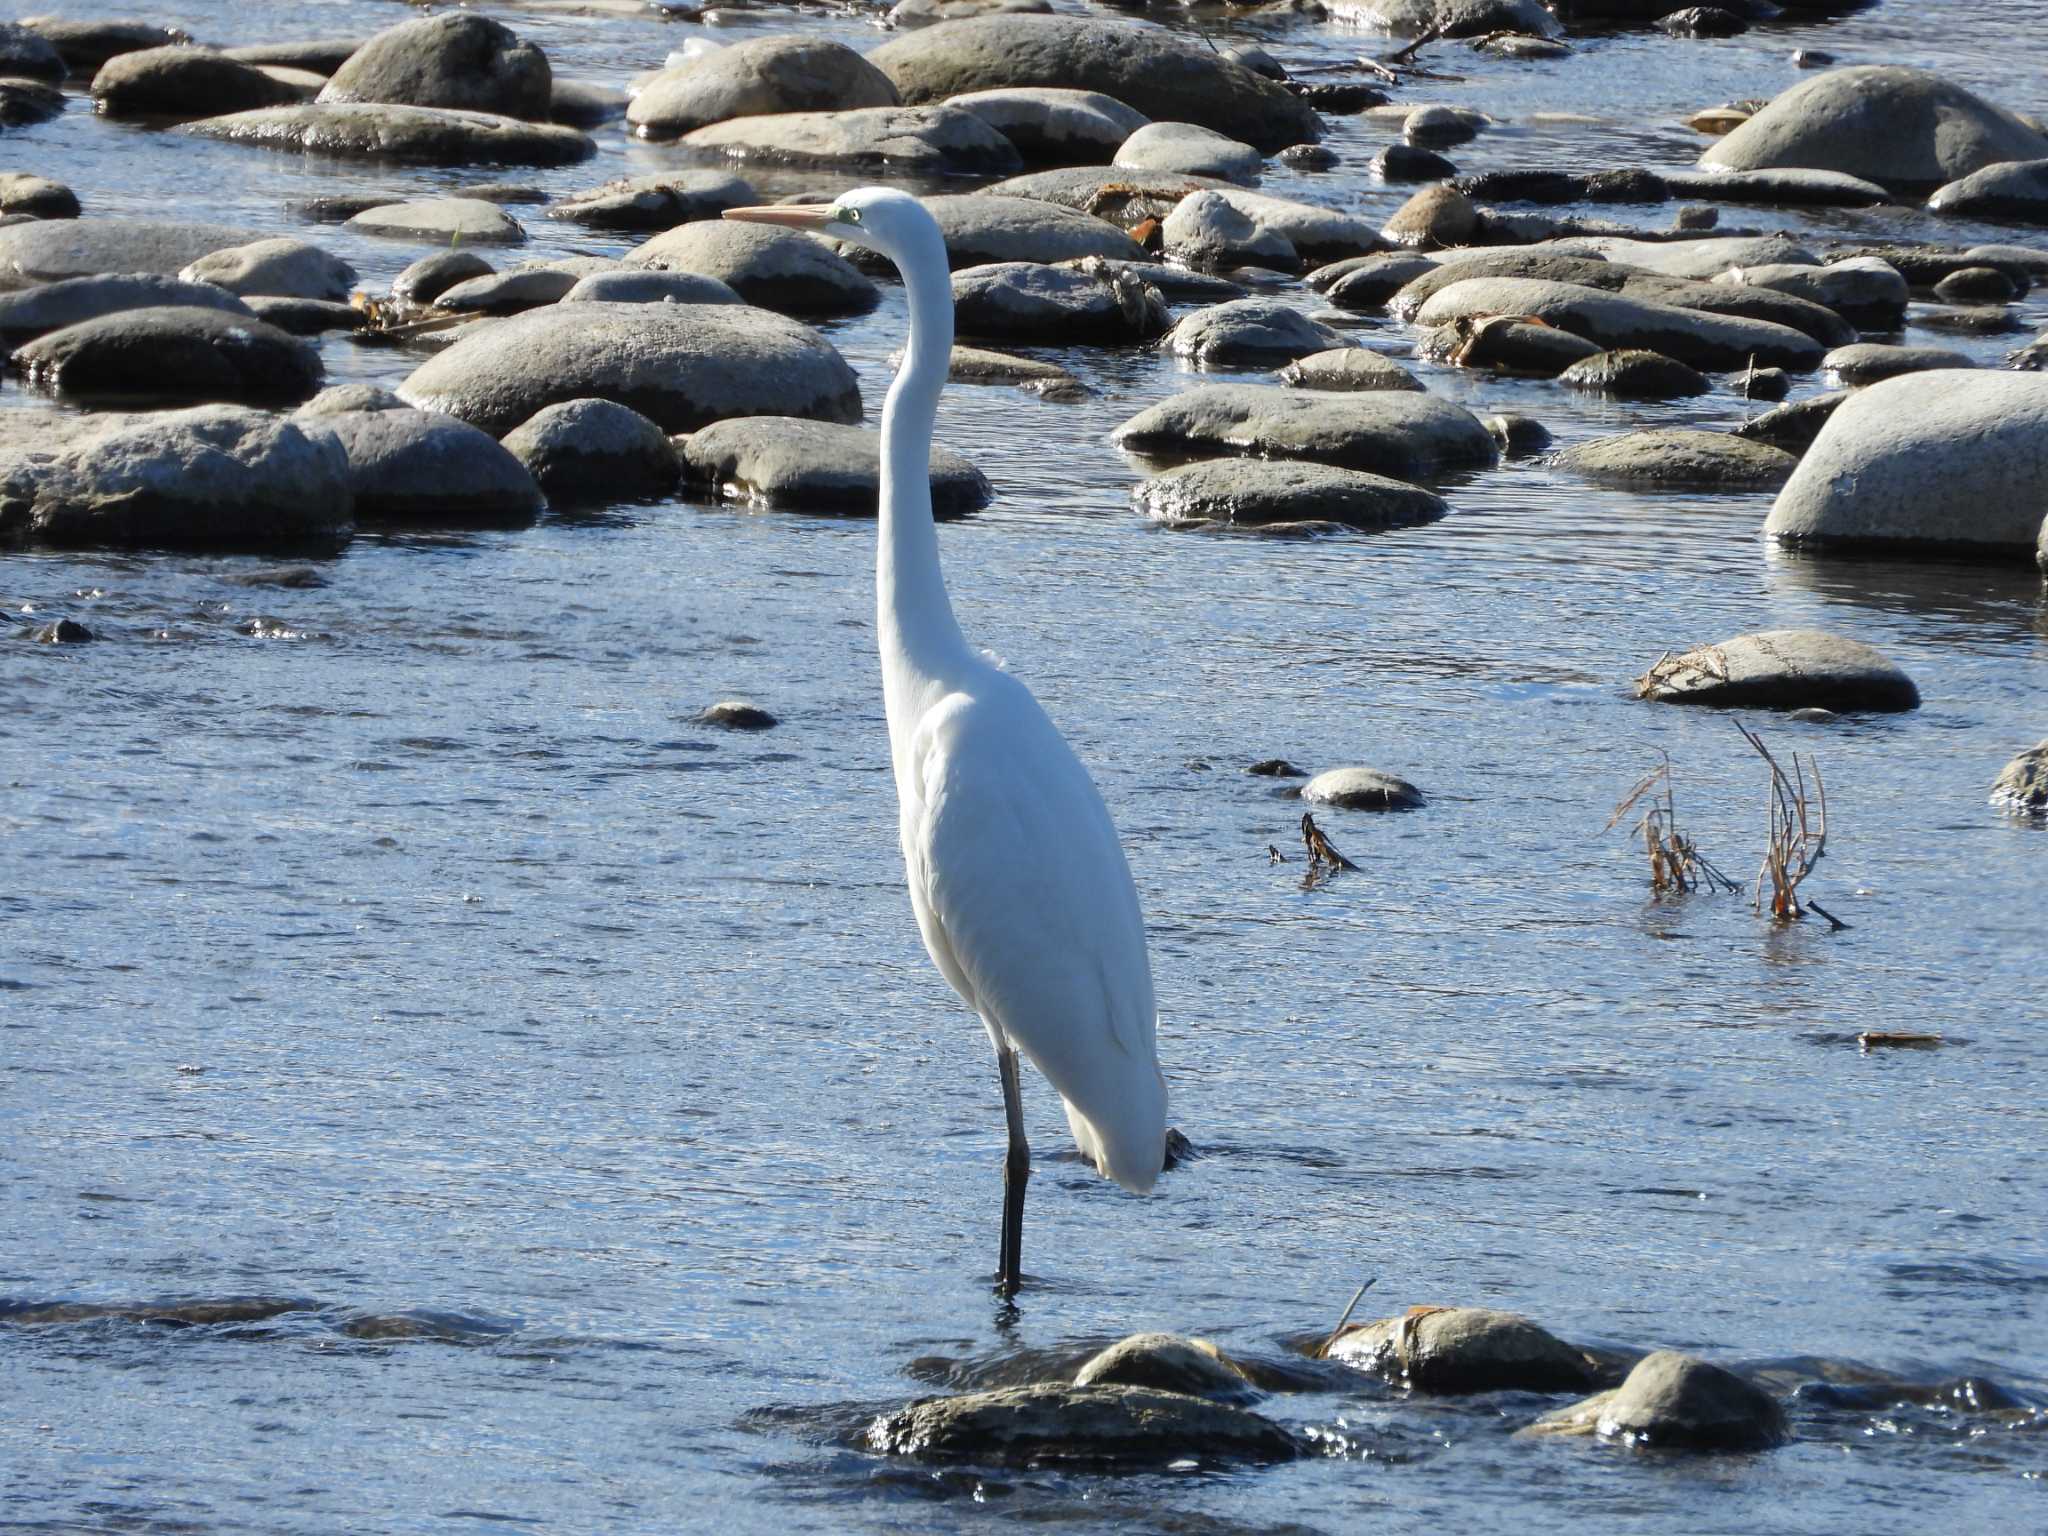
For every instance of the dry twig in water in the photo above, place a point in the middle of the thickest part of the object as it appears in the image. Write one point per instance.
(1799, 833)
(1676, 863)
(1337, 1332)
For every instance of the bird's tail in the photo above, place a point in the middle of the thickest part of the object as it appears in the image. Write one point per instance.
(1126, 1137)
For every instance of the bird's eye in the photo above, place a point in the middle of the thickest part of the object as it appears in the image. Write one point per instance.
(852, 215)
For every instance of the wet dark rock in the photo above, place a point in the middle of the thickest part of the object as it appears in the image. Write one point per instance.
(317, 55)
(1521, 45)
(1886, 123)
(1674, 458)
(1023, 301)
(181, 83)
(51, 306)
(1255, 59)
(1368, 282)
(1973, 320)
(431, 276)
(1276, 768)
(1433, 219)
(681, 366)
(1519, 437)
(1867, 362)
(809, 466)
(1052, 1425)
(1167, 77)
(456, 59)
(780, 269)
(1446, 18)
(1955, 460)
(1189, 150)
(1695, 337)
(1263, 491)
(278, 268)
(1407, 162)
(1702, 21)
(1523, 186)
(1782, 669)
(1793, 427)
(1500, 344)
(1634, 375)
(1388, 432)
(982, 227)
(28, 101)
(1779, 187)
(1168, 1363)
(657, 202)
(761, 76)
(1309, 157)
(1441, 127)
(27, 55)
(1361, 789)
(62, 632)
(509, 293)
(1672, 1401)
(650, 288)
(171, 356)
(400, 134)
(1455, 1350)
(420, 468)
(584, 103)
(2016, 190)
(219, 477)
(1763, 384)
(1812, 58)
(448, 221)
(2022, 784)
(588, 451)
(1977, 285)
(86, 44)
(162, 1314)
(306, 317)
(1338, 97)
(1348, 368)
(1250, 333)
(930, 140)
(50, 250)
(1048, 124)
(736, 715)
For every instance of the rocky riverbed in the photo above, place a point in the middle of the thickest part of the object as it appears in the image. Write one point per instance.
(451, 869)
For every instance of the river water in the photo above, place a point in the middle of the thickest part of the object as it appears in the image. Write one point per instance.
(409, 954)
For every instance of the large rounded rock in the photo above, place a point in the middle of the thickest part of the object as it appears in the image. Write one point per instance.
(1955, 461)
(1250, 333)
(315, 55)
(1872, 362)
(417, 467)
(1125, 198)
(1049, 125)
(1348, 368)
(1634, 375)
(932, 141)
(1388, 432)
(508, 293)
(1450, 1350)
(760, 76)
(681, 366)
(1166, 77)
(1210, 233)
(810, 466)
(1680, 458)
(656, 202)
(399, 134)
(455, 59)
(1051, 1425)
(1672, 1401)
(1167, 1363)
(2017, 190)
(1261, 492)
(1024, 301)
(2022, 785)
(589, 451)
(51, 306)
(171, 356)
(37, 196)
(1695, 337)
(780, 269)
(279, 268)
(1503, 344)
(1368, 282)
(1188, 149)
(1782, 669)
(1864, 288)
(431, 276)
(50, 250)
(184, 83)
(981, 228)
(217, 478)
(1361, 789)
(1781, 187)
(1436, 218)
(1885, 123)
(449, 221)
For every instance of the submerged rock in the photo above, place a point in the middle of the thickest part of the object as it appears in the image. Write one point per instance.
(28, 101)
(1052, 1424)
(1463, 1349)
(1680, 458)
(2022, 785)
(588, 451)
(810, 466)
(1257, 492)
(1782, 669)
(1388, 432)
(403, 135)
(1168, 1363)
(736, 715)
(171, 356)
(780, 269)
(455, 59)
(760, 76)
(1672, 1401)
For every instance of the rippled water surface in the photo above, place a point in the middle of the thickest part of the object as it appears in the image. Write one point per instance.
(572, 1078)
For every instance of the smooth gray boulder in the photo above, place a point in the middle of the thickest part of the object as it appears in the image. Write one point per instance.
(1314, 233)
(1455, 1350)
(650, 288)
(1707, 341)
(37, 196)
(1261, 492)
(981, 228)
(1369, 282)
(171, 356)
(2014, 190)
(1695, 258)
(589, 451)
(1780, 187)
(1124, 198)
(656, 202)
(1634, 375)
(681, 366)
(1680, 458)
(1168, 1363)
(1977, 285)
(1503, 344)
(49, 250)
(1167, 77)
(812, 466)
(1388, 432)
(86, 42)
(1051, 125)
(585, 103)
(1348, 368)
(417, 467)
(399, 134)
(781, 269)
(1862, 287)
(1053, 305)
(1250, 333)
(1361, 789)
(449, 221)
(1436, 218)
(1209, 232)
(279, 268)
(219, 477)
(1188, 149)
(1672, 1401)
(1953, 460)
(1053, 1425)
(761, 76)
(318, 55)
(180, 83)
(2021, 787)
(431, 276)
(1446, 18)
(926, 140)
(1884, 122)
(1782, 669)
(28, 101)
(454, 59)
(1870, 362)
(509, 293)
(1795, 425)
(979, 366)
(32, 312)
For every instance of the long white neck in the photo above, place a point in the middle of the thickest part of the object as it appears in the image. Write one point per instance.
(920, 641)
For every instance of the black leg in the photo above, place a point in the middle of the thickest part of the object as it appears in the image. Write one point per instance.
(1016, 1172)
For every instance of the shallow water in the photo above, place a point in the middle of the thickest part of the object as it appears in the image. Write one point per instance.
(577, 1073)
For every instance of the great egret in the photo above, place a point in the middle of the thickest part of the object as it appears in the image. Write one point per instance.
(1015, 873)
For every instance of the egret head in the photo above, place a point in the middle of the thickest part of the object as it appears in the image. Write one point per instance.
(891, 223)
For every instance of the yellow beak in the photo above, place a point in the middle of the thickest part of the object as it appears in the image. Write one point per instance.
(789, 216)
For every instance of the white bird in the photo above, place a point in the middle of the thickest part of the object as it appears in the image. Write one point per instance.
(1019, 884)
